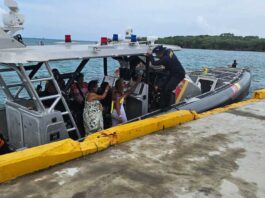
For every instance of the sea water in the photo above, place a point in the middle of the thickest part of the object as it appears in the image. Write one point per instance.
(190, 58)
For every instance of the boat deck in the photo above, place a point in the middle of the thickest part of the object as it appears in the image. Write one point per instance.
(217, 156)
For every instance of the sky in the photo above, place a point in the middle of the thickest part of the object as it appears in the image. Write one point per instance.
(91, 19)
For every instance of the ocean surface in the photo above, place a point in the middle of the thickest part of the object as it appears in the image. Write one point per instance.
(190, 58)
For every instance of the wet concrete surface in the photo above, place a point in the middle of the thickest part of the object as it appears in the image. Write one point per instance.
(217, 156)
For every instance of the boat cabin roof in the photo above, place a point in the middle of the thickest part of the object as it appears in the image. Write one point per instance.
(69, 51)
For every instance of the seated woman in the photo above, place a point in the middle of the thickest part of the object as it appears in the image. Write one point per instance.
(118, 96)
(50, 88)
(92, 116)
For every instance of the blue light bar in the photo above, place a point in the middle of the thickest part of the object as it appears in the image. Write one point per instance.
(115, 37)
(133, 38)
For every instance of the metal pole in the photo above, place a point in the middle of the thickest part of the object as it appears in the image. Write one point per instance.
(54, 104)
(147, 69)
(75, 74)
(35, 70)
(30, 88)
(105, 64)
(5, 89)
(62, 98)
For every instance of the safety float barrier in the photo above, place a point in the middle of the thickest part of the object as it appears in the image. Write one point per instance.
(41, 157)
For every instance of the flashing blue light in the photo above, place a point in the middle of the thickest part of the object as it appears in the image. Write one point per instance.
(133, 38)
(115, 37)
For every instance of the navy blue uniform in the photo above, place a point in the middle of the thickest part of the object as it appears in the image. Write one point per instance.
(176, 74)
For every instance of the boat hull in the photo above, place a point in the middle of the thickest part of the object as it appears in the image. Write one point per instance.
(234, 92)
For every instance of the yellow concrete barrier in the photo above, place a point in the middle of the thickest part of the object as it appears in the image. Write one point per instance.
(95, 143)
(27, 161)
(259, 94)
(140, 128)
(41, 157)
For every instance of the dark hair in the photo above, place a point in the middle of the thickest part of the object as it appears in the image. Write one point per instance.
(56, 74)
(134, 61)
(104, 85)
(118, 85)
(55, 71)
(92, 84)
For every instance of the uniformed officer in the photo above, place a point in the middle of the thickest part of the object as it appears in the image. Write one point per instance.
(175, 72)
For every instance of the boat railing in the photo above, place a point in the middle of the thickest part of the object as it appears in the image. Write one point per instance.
(34, 111)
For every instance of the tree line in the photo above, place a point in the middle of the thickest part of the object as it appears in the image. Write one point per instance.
(225, 41)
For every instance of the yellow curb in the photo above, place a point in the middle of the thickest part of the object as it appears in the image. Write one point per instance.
(137, 129)
(27, 161)
(259, 94)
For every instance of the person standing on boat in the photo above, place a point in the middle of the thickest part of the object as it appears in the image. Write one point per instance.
(93, 119)
(106, 103)
(118, 113)
(175, 73)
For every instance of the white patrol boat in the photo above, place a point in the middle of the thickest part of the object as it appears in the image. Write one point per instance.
(27, 120)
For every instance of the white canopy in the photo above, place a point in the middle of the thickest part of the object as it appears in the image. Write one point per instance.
(69, 51)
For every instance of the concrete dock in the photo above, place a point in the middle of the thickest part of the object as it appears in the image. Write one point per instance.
(217, 156)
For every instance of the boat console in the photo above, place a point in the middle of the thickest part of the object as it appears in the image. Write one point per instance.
(28, 128)
(137, 103)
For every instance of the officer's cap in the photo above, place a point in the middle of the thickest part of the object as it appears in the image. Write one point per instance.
(158, 49)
